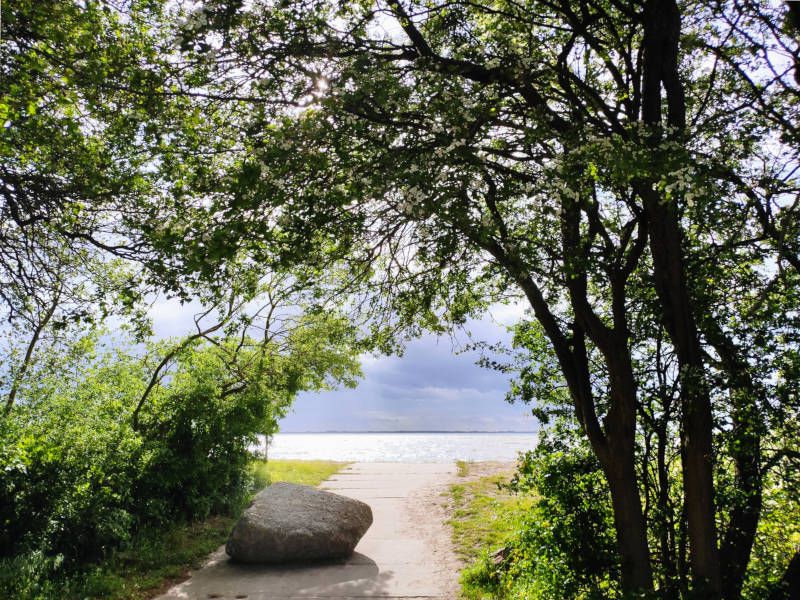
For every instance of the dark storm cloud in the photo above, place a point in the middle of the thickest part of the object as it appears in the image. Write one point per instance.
(429, 388)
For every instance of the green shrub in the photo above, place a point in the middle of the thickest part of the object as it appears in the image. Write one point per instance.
(78, 480)
(33, 575)
(89, 462)
(67, 471)
(149, 556)
(564, 547)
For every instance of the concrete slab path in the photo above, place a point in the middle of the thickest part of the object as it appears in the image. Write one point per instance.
(405, 554)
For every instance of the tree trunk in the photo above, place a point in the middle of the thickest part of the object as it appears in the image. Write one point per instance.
(696, 432)
(19, 376)
(660, 43)
(745, 444)
(629, 522)
(666, 527)
(613, 444)
(617, 453)
(743, 523)
(614, 448)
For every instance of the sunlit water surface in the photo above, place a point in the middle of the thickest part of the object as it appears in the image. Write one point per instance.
(401, 447)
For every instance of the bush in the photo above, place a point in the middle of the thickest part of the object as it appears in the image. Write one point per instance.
(67, 467)
(565, 546)
(77, 480)
(196, 442)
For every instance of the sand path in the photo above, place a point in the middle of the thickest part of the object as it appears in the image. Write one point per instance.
(406, 553)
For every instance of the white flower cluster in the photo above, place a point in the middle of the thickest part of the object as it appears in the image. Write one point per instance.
(677, 182)
(412, 201)
(568, 193)
(203, 238)
(446, 95)
(282, 219)
(601, 145)
(268, 177)
(670, 144)
(455, 144)
(349, 120)
(176, 226)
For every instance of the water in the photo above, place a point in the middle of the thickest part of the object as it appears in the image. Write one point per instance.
(401, 447)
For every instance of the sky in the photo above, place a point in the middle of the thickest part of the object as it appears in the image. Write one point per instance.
(429, 388)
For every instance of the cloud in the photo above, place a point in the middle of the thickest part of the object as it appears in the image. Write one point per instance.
(427, 389)
(435, 385)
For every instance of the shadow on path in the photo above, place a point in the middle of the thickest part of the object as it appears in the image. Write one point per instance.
(405, 554)
(224, 579)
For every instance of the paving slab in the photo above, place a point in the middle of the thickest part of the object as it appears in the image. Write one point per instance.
(406, 553)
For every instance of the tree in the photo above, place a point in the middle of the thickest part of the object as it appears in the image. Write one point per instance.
(81, 90)
(97, 443)
(272, 342)
(69, 173)
(614, 163)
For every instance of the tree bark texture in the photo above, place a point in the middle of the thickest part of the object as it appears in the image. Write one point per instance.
(745, 437)
(660, 68)
(616, 449)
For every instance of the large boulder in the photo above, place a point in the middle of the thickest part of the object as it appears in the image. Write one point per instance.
(288, 522)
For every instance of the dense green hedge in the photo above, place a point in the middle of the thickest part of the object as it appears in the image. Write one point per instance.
(78, 481)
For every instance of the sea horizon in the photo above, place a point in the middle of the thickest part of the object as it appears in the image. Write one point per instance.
(401, 446)
(471, 431)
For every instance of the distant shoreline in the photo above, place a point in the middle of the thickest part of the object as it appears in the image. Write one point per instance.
(402, 446)
(408, 431)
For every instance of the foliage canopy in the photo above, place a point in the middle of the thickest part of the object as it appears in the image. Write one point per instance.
(627, 168)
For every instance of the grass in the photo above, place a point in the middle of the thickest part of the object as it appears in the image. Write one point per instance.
(464, 467)
(483, 516)
(155, 560)
(306, 472)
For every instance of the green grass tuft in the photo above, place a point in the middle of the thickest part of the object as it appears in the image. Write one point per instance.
(464, 467)
(305, 472)
(483, 515)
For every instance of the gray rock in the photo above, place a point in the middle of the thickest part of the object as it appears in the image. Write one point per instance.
(287, 522)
